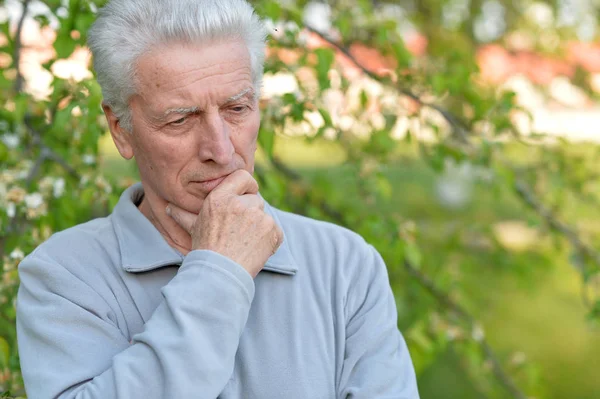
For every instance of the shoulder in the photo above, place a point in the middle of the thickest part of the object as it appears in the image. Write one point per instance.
(80, 250)
(315, 242)
(303, 226)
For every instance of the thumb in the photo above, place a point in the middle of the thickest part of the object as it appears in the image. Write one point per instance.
(182, 217)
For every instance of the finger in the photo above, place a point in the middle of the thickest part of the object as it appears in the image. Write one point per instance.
(183, 218)
(252, 201)
(239, 182)
(277, 239)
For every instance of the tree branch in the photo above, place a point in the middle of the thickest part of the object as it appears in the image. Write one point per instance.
(45, 153)
(443, 299)
(534, 203)
(462, 132)
(458, 127)
(18, 87)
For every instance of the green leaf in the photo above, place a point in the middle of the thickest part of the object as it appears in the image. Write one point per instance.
(439, 84)
(64, 46)
(271, 9)
(594, 313)
(390, 121)
(21, 103)
(401, 54)
(4, 352)
(382, 36)
(380, 143)
(4, 152)
(266, 140)
(344, 23)
(318, 135)
(364, 99)
(325, 57)
(413, 255)
(326, 117)
(384, 186)
(297, 112)
(60, 127)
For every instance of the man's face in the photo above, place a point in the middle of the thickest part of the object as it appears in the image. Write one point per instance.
(195, 120)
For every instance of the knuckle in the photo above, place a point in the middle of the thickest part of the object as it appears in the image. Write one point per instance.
(268, 221)
(212, 200)
(257, 203)
(276, 240)
(237, 207)
(255, 213)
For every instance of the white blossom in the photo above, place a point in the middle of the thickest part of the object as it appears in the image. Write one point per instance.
(103, 185)
(85, 179)
(318, 16)
(11, 210)
(478, 334)
(291, 26)
(34, 200)
(518, 358)
(46, 183)
(58, 187)
(11, 140)
(16, 194)
(22, 174)
(7, 176)
(453, 333)
(302, 38)
(540, 14)
(17, 254)
(88, 159)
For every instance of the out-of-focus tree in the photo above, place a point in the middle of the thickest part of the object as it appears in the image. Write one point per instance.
(382, 80)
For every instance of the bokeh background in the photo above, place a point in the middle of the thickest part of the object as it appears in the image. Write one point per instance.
(460, 137)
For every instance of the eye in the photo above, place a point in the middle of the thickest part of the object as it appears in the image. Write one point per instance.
(179, 121)
(238, 108)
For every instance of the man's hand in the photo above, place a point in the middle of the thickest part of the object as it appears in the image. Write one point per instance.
(233, 223)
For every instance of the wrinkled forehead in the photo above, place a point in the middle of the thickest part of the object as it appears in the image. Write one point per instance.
(176, 60)
(183, 71)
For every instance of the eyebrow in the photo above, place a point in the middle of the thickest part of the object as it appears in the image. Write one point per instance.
(196, 109)
(188, 110)
(241, 94)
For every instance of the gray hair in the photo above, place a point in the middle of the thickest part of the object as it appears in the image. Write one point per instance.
(126, 29)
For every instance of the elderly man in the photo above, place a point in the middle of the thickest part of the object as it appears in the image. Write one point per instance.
(194, 287)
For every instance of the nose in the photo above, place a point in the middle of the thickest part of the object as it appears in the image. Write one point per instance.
(214, 140)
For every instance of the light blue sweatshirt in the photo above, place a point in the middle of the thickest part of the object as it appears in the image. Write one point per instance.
(108, 309)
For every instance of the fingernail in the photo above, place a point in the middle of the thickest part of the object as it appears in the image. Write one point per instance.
(168, 210)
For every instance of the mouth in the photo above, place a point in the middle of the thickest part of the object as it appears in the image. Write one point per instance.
(208, 185)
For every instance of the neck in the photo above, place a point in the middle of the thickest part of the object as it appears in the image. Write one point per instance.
(174, 234)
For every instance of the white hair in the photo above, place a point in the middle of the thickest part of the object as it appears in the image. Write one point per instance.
(126, 29)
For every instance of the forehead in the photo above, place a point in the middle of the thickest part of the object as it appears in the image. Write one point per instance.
(183, 71)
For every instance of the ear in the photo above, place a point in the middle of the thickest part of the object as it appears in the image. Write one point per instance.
(121, 137)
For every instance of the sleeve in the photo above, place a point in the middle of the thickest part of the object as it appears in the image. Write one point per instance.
(70, 349)
(376, 364)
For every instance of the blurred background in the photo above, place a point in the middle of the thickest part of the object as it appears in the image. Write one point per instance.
(460, 137)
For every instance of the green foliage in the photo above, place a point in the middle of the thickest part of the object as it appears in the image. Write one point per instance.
(441, 257)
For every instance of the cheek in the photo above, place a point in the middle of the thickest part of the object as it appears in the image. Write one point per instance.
(161, 157)
(246, 136)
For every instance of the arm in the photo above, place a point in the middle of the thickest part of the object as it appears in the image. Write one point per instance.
(376, 363)
(70, 348)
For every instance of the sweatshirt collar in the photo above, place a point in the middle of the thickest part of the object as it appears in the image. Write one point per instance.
(143, 248)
